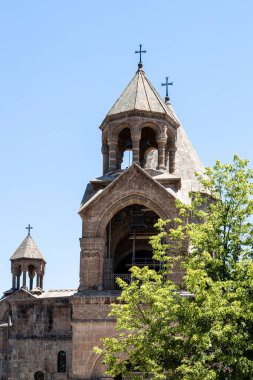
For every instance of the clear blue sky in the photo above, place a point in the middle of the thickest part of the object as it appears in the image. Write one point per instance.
(62, 66)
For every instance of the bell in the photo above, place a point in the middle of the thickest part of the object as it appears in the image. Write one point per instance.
(138, 223)
(146, 144)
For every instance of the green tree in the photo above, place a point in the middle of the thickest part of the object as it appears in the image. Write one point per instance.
(207, 334)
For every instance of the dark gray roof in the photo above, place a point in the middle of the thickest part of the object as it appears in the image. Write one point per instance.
(142, 96)
(28, 250)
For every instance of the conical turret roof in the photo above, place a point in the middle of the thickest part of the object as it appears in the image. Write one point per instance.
(140, 95)
(27, 250)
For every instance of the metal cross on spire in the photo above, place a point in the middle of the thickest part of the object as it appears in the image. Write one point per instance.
(29, 228)
(140, 52)
(167, 84)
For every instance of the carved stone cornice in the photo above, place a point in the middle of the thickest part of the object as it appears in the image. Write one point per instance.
(89, 300)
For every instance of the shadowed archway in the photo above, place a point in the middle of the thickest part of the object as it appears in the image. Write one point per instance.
(127, 243)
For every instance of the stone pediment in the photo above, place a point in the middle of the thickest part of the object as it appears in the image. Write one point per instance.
(133, 180)
(19, 295)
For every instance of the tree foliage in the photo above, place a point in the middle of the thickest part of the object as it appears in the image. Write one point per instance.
(206, 333)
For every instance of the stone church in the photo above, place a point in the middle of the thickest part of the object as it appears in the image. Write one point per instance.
(50, 334)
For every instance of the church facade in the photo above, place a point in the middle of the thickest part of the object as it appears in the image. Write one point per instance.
(51, 334)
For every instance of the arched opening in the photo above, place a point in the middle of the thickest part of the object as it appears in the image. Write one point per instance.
(148, 141)
(31, 273)
(128, 235)
(124, 146)
(61, 361)
(39, 375)
(127, 159)
(16, 274)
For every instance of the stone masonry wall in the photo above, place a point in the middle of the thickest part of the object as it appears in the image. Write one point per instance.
(39, 329)
(90, 323)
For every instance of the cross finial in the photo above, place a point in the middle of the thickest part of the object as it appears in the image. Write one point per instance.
(29, 228)
(139, 52)
(167, 84)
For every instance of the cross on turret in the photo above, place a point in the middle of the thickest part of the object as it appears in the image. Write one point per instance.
(29, 228)
(167, 84)
(139, 52)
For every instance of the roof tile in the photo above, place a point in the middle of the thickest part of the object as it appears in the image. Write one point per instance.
(142, 96)
(27, 249)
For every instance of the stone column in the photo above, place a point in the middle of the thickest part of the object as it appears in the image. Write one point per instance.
(119, 159)
(136, 136)
(172, 155)
(38, 280)
(41, 281)
(18, 280)
(161, 153)
(24, 279)
(113, 145)
(91, 263)
(105, 152)
(13, 281)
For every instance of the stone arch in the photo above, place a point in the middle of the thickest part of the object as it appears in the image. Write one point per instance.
(124, 144)
(98, 369)
(120, 128)
(110, 210)
(151, 124)
(31, 269)
(171, 135)
(39, 375)
(16, 270)
(151, 135)
(94, 361)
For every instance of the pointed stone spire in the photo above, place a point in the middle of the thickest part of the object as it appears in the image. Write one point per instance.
(140, 95)
(27, 250)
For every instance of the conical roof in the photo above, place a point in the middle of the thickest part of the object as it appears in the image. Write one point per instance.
(27, 250)
(140, 95)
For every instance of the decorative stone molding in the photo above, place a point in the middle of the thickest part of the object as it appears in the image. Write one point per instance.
(91, 263)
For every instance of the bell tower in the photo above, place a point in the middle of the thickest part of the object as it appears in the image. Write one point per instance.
(27, 266)
(142, 122)
(119, 209)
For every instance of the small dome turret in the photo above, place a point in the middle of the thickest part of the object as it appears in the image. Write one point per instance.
(27, 261)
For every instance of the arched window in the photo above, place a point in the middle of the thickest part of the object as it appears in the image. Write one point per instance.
(39, 375)
(61, 365)
(124, 152)
(31, 273)
(148, 145)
